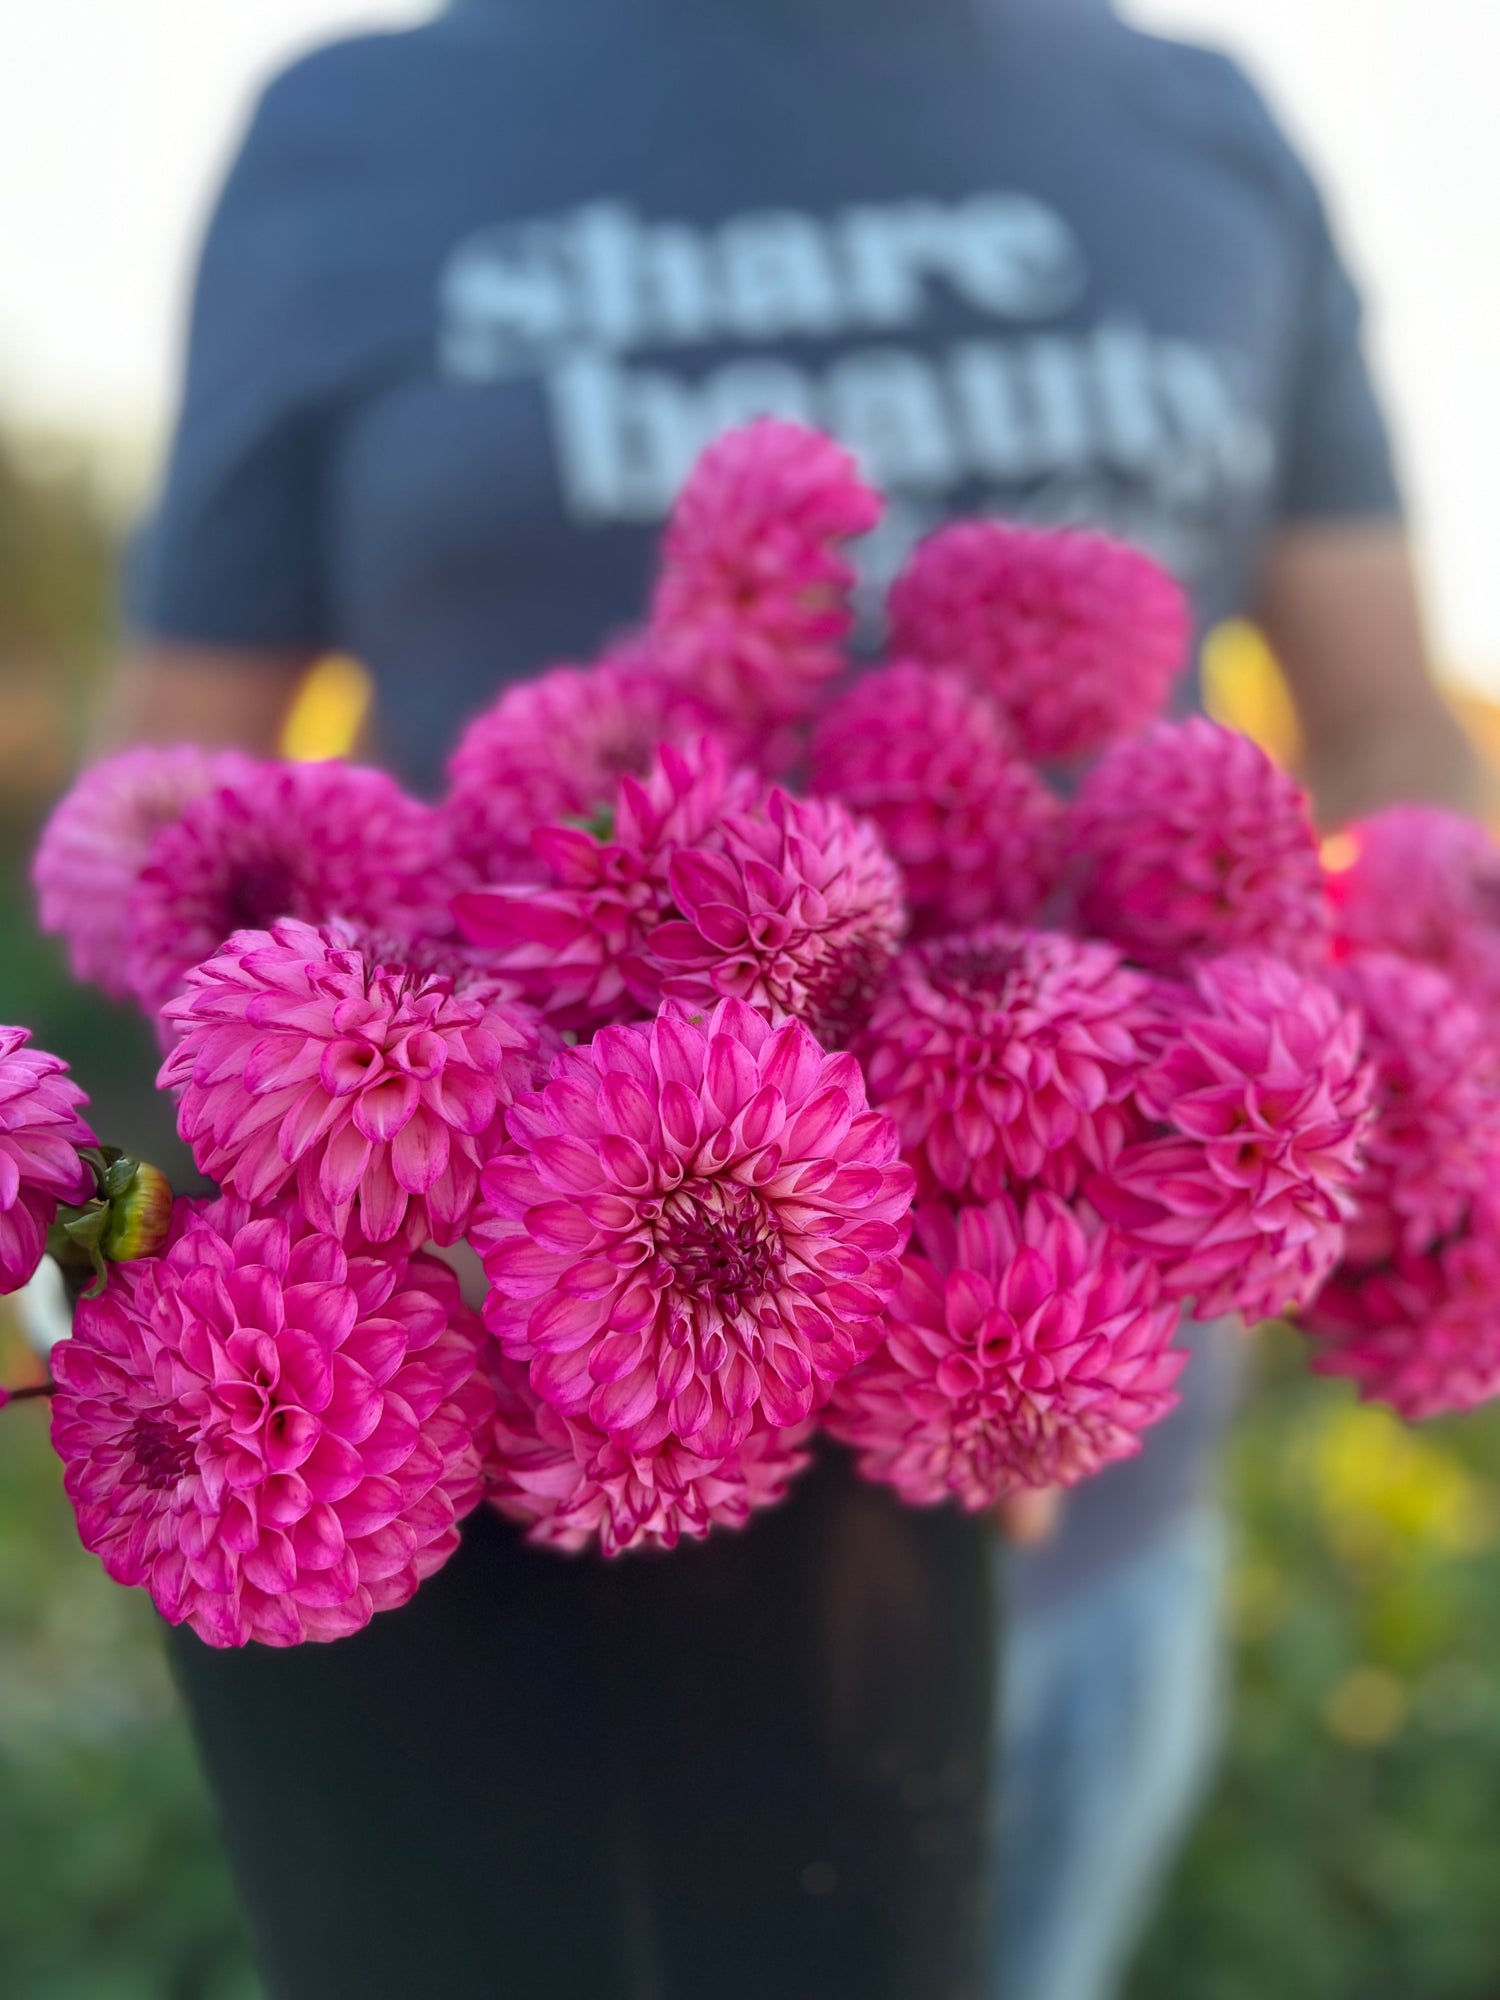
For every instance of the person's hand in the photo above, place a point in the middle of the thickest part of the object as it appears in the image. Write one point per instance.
(1028, 1520)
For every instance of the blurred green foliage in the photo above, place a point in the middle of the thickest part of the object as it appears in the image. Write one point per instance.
(1351, 1848)
(112, 1883)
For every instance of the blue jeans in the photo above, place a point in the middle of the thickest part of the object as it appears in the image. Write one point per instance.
(1110, 1723)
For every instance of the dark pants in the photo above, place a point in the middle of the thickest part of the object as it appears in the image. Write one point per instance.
(750, 1768)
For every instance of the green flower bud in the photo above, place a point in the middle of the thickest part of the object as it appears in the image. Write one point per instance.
(140, 1211)
(128, 1217)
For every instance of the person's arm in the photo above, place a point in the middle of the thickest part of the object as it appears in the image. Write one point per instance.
(219, 696)
(1338, 603)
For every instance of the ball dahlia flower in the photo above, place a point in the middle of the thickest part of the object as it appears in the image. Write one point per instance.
(1262, 1101)
(1188, 841)
(97, 841)
(555, 749)
(574, 1486)
(1425, 883)
(1436, 1126)
(696, 1225)
(40, 1133)
(1009, 1056)
(1077, 637)
(1420, 1330)
(797, 908)
(751, 610)
(931, 760)
(1028, 1346)
(312, 841)
(274, 1433)
(574, 943)
(305, 1062)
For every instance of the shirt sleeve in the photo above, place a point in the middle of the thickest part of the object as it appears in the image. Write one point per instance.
(233, 553)
(1336, 458)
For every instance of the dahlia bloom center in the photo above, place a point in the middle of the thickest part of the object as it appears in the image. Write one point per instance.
(719, 1239)
(163, 1452)
(257, 894)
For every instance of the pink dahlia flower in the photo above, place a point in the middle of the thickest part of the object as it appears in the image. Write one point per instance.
(797, 908)
(1436, 1127)
(575, 1486)
(1425, 883)
(1189, 841)
(1262, 1100)
(752, 607)
(555, 749)
(304, 1062)
(1420, 1331)
(1028, 1347)
(274, 1433)
(575, 943)
(97, 841)
(931, 760)
(695, 1225)
(40, 1133)
(1009, 1055)
(1077, 637)
(312, 841)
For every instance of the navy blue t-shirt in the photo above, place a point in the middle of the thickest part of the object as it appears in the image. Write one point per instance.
(476, 294)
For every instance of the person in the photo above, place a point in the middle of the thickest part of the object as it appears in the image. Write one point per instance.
(474, 296)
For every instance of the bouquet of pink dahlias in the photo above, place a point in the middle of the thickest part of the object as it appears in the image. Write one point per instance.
(674, 1049)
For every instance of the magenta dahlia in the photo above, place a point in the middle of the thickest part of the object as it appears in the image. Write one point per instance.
(555, 749)
(1421, 1330)
(312, 841)
(1436, 1127)
(751, 610)
(1189, 841)
(40, 1133)
(1262, 1100)
(1077, 637)
(797, 908)
(1028, 1347)
(97, 841)
(931, 760)
(1009, 1056)
(574, 944)
(305, 1062)
(695, 1222)
(574, 1486)
(274, 1433)
(1425, 883)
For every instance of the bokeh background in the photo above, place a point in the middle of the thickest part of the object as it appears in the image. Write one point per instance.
(1352, 1846)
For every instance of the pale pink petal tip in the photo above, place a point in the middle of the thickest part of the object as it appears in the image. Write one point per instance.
(696, 1224)
(312, 1061)
(1425, 883)
(931, 761)
(1189, 841)
(274, 1433)
(1028, 1347)
(576, 1487)
(40, 1133)
(752, 610)
(98, 839)
(310, 841)
(555, 748)
(1421, 1330)
(1261, 1104)
(1008, 1056)
(1077, 638)
(1436, 1127)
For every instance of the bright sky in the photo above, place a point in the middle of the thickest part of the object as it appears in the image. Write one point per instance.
(115, 121)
